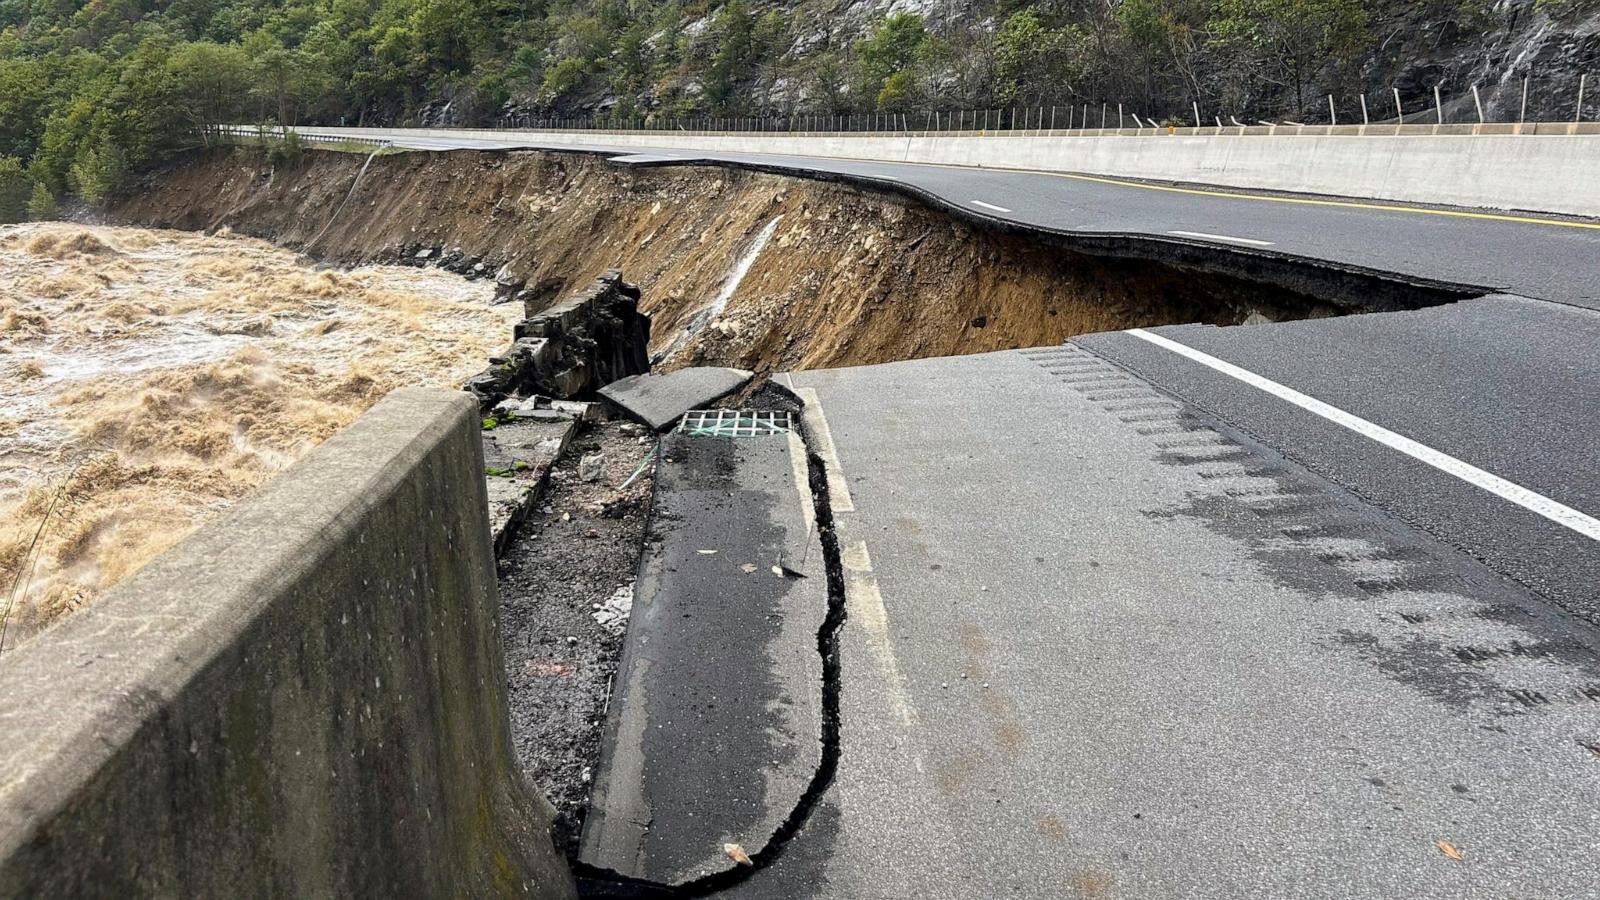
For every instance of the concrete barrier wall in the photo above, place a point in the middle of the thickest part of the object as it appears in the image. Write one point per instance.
(1538, 172)
(303, 699)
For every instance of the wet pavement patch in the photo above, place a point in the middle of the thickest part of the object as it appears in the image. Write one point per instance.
(715, 729)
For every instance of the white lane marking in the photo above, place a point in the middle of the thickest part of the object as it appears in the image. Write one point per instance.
(802, 486)
(839, 498)
(998, 209)
(1559, 513)
(1222, 237)
(865, 603)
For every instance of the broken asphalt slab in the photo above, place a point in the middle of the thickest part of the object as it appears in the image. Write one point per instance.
(660, 400)
(715, 727)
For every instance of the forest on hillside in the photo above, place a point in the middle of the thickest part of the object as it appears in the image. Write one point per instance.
(92, 91)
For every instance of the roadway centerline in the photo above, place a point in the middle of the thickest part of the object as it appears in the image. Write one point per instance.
(989, 206)
(1222, 237)
(1557, 512)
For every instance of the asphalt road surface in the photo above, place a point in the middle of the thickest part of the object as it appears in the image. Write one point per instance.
(1545, 257)
(1304, 608)
(1100, 643)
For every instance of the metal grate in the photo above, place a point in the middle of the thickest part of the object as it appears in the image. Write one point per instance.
(735, 423)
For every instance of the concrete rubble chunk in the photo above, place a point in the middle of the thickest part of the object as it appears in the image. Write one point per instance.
(660, 400)
(517, 458)
(569, 349)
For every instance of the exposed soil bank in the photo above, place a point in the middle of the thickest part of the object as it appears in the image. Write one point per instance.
(846, 277)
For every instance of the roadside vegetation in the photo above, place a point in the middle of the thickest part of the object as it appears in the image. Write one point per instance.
(92, 91)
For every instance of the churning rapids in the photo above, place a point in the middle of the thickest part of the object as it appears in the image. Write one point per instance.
(152, 378)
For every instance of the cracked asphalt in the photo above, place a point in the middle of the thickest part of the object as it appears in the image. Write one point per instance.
(1123, 624)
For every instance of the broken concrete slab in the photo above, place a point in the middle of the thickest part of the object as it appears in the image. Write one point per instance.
(661, 400)
(517, 458)
(715, 727)
(566, 350)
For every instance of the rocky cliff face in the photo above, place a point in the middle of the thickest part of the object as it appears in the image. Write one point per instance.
(1411, 45)
(1551, 44)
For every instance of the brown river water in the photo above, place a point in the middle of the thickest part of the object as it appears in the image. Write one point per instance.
(150, 379)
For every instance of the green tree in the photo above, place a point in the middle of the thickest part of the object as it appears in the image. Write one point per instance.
(1165, 42)
(898, 45)
(98, 172)
(1287, 42)
(211, 83)
(734, 33)
(1035, 63)
(15, 186)
(42, 204)
(292, 83)
(562, 78)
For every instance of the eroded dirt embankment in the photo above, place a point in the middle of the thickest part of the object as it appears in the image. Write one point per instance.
(845, 277)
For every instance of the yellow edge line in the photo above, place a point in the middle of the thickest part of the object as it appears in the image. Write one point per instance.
(1303, 201)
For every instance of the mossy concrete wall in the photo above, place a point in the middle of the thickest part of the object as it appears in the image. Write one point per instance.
(303, 699)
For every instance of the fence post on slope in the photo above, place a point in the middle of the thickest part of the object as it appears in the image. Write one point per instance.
(1196, 105)
(1399, 111)
(1333, 114)
(1522, 116)
(1577, 114)
(1438, 109)
(1477, 101)
(1364, 119)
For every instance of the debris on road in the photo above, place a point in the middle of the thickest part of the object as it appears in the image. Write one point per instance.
(590, 466)
(737, 854)
(559, 572)
(613, 614)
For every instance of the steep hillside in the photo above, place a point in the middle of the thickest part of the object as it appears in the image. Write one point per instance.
(1248, 58)
(93, 91)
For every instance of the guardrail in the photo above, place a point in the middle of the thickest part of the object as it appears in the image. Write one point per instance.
(279, 133)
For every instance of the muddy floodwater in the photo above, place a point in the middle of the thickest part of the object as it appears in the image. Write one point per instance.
(150, 379)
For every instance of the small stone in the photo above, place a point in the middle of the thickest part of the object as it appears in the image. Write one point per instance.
(590, 466)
